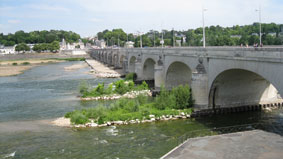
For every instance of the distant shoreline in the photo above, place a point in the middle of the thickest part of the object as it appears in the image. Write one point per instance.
(11, 65)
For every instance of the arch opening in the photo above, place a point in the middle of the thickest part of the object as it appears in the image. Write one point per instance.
(148, 69)
(132, 65)
(237, 87)
(177, 74)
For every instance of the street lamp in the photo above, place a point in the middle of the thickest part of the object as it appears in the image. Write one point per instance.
(153, 38)
(162, 40)
(173, 38)
(203, 27)
(140, 33)
(259, 16)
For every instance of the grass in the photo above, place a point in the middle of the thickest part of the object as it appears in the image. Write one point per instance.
(69, 59)
(119, 87)
(138, 108)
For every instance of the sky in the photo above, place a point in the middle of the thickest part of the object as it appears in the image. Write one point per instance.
(87, 17)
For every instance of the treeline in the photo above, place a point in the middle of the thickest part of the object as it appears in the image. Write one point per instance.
(36, 37)
(272, 34)
(51, 47)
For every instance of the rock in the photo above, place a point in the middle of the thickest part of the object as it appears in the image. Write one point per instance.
(108, 123)
(132, 121)
(152, 119)
(80, 126)
(188, 115)
(102, 125)
(118, 122)
(151, 116)
(183, 114)
(93, 125)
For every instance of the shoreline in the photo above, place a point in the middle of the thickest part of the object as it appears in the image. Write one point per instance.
(16, 67)
(66, 122)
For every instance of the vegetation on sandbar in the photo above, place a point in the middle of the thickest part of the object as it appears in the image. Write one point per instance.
(119, 87)
(172, 102)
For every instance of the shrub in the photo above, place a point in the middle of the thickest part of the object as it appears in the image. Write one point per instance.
(165, 99)
(182, 95)
(83, 89)
(25, 63)
(131, 76)
(131, 106)
(99, 89)
(143, 86)
(109, 89)
(14, 64)
(78, 118)
(120, 87)
(131, 85)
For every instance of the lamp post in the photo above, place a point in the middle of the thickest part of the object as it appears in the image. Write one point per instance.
(203, 27)
(173, 38)
(162, 40)
(259, 16)
(153, 38)
(140, 33)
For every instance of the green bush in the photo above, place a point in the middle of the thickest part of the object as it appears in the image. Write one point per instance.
(183, 96)
(14, 64)
(120, 87)
(109, 89)
(78, 118)
(143, 86)
(165, 99)
(25, 63)
(84, 89)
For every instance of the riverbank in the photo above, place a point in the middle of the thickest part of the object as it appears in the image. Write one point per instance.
(66, 122)
(102, 71)
(15, 67)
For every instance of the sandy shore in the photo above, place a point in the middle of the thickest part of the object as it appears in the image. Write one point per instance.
(103, 71)
(64, 122)
(8, 69)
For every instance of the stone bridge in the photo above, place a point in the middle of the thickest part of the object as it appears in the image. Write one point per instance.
(219, 77)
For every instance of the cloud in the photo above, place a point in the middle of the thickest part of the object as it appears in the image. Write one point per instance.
(13, 21)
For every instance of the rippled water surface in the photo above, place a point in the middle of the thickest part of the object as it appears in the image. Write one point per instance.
(28, 102)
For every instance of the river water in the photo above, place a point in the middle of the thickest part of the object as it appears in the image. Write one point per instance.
(30, 101)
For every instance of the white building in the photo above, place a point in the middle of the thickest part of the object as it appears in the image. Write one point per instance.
(100, 43)
(8, 50)
(129, 44)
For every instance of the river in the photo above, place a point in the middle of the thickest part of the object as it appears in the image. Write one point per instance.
(30, 101)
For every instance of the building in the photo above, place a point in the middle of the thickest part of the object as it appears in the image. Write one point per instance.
(100, 43)
(8, 50)
(129, 44)
(272, 34)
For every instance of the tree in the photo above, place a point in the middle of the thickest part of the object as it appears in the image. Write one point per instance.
(22, 47)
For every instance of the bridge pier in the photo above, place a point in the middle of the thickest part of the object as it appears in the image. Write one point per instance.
(199, 87)
(158, 77)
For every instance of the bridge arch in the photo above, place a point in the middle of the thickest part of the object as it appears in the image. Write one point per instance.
(178, 73)
(148, 69)
(240, 87)
(132, 64)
